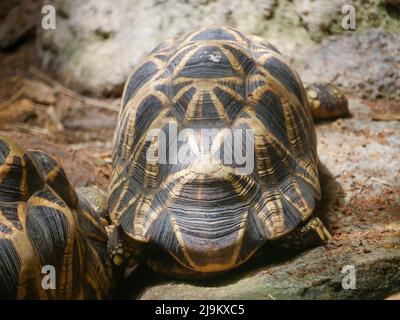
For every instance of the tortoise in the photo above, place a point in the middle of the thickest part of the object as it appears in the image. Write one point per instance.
(203, 215)
(208, 216)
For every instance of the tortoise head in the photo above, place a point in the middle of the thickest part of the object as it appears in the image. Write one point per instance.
(326, 101)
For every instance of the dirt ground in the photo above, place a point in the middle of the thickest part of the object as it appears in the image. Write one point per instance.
(39, 113)
(362, 153)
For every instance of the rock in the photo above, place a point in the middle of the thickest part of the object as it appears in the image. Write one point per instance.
(319, 16)
(322, 18)
(314, 275)
(18, 22)
(366, 63)
(361, 209)
(96, 43)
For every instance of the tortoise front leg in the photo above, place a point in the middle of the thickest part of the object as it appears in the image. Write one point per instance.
(124, 252)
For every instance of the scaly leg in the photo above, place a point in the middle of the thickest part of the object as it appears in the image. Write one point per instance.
(311, 234)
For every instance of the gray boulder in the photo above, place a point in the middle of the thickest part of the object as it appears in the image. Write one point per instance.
(365, 63)
(97, 43)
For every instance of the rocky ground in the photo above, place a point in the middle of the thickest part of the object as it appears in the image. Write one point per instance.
(92, 32)
(39, 113)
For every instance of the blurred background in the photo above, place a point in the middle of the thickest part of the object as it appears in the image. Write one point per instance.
(96, 43)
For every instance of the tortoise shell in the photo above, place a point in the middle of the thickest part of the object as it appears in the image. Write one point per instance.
(209, 215)
(44, 223)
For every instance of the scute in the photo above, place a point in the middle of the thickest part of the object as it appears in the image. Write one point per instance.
(141, 76)
(207, 62)
(282, 72)
(212, 217)
(9, 276)
(213, 34)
